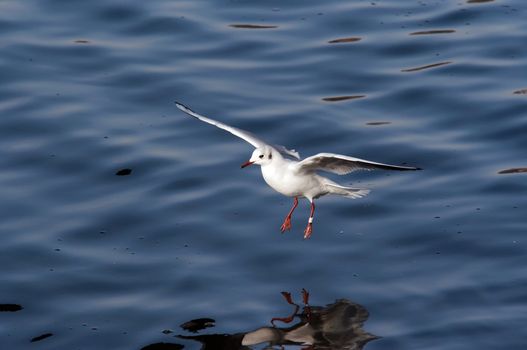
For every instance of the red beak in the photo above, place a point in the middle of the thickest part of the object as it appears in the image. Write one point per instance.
(247, 164)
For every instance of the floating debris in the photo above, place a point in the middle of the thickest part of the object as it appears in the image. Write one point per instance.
(345, 40)
(81, 41)
(342, 98)
(440, 31)
(252, 26)
(521, 92)
(478, 1)
(41, 337)
(513, 171)
(124, 172)
(378, 123)
(198, 324)
(10, 307)
(433, 65)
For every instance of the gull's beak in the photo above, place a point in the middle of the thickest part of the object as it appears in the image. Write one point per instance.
(247, 164)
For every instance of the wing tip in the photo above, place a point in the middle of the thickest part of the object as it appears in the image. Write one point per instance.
(181, 106)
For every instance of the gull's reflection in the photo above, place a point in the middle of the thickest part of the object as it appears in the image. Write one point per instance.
(334, 326)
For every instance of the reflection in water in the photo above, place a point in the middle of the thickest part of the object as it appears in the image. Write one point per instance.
(427, 32)
(10, 307)
(252, 26)
(345, 40)
(198, 324)
(163, 346)
(513, 171)
(41, 337)
(378, 123)
(342, 98)
(334, 326)
(123, 172)
(425, 67)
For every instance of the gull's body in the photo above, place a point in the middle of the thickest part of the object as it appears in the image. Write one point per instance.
(296, 177)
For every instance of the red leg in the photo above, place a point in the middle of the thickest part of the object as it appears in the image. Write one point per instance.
(287, 222)
(309, 228)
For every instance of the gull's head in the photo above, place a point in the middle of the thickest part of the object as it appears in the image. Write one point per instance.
(260, 156)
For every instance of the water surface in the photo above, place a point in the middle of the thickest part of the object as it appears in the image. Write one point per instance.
(98, 261)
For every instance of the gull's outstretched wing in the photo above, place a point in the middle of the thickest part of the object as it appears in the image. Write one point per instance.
(339, 164)
(245, 135)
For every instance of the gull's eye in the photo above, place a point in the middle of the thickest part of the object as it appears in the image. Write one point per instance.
(260, 156)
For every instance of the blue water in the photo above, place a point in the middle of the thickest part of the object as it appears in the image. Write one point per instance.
(436, 258)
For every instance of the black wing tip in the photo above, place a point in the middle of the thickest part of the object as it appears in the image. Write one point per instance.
(183, 107)
(179, 104)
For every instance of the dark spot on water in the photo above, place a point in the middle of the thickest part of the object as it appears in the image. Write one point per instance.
(252, 26)
(167, 331)
(345, 40)
(433, 65)
(163, 346)
(124, 172)
(342, 98)
(198, 324)
(57, 249)
(81, 41)
(478, 1)
(513, 171)
(521, 92)
(429, 32)
(41, 337)
(378, 123)
(10, 307)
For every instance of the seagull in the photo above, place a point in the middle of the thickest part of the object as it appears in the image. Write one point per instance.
(288, 174)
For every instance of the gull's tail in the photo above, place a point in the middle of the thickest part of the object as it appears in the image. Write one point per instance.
(349, 192)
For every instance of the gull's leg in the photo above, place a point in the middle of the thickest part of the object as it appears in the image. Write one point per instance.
(309, 228)
(287, 222)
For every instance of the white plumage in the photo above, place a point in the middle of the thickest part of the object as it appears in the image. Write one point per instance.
(296, 177)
